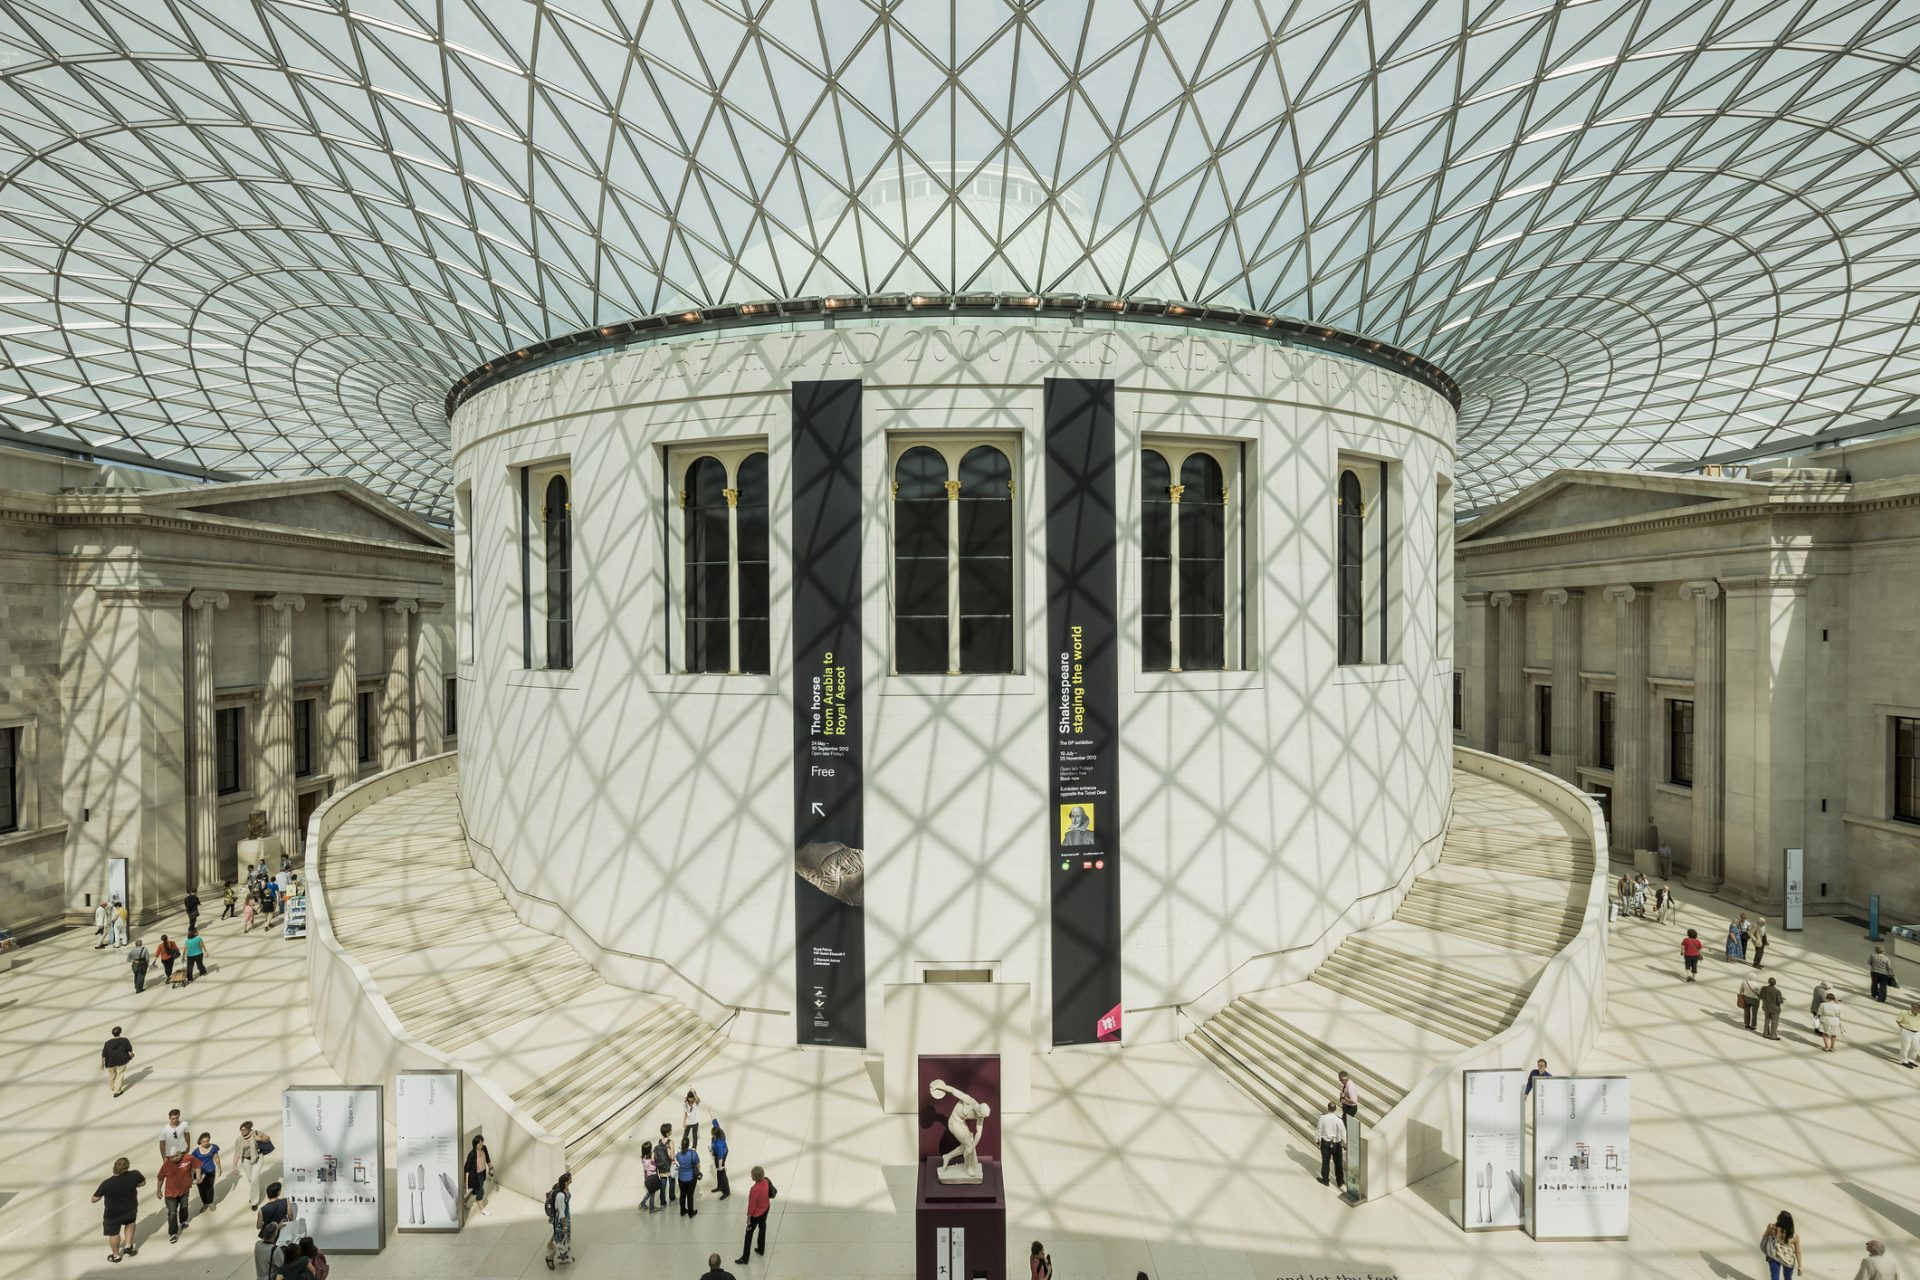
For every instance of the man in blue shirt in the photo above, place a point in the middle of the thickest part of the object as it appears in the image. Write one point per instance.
(688, 1164)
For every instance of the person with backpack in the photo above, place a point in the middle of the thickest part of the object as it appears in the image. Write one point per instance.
(250, 1151)
(663, 1160)
(560, 1217)
(687, 1172)
(138, 959)
(269, 1223)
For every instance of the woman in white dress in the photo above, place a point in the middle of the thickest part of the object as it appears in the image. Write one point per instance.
(1830, 1027)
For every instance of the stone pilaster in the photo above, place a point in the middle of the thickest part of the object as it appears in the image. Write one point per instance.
(1477, 657)
(396, 707)
(274, 759)
(1706, 866)
(1569, 708)
(343, 685)
(1632, 713)
(203, 795)
(1512, 609)
(1775, 771)
(429, 681)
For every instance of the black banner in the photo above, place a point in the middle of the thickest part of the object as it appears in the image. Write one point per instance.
(1083, 684)
(829, 826)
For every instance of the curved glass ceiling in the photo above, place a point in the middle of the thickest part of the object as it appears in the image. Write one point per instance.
(265, 238)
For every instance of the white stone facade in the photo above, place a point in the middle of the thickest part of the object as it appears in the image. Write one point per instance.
(1784, 605)
(135, 609)
(648, 813)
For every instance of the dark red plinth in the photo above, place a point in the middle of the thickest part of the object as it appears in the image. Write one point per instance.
(980, 1211)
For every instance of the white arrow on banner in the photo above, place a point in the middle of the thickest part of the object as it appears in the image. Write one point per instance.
(818, 812)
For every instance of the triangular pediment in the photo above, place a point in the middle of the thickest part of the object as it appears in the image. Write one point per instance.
(327, 506)
(1581, 499)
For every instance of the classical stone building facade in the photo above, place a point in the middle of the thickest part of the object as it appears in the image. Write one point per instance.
(1731, 663)
(174, 656)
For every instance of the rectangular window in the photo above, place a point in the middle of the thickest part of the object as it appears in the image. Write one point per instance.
(719, 545)
(463, 571)
(1906, 768)
(365, 726)
(1459, 702)
(10, 779)
(1603, 730)
(303, 738)
(954, 532)
(453, 708)
(1680, 743)
(1367, 602)
(228, 726)
(1190, 579)
(1543, 719)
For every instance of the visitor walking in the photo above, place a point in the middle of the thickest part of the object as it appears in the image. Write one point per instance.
(1737, 939)
(176, 1178)
(560, 1217)
(166, 953)
(1539, 1072)
(115, 1054)
(687, 1172)
(249, 1154)
(650, 1171)
(1349, 1096)
(1909, 1024)
(119, 923)
(1690, 949)
(1039, 1263)
(1332, 1132)
(247, 914)
(1780, 1246)
(176, 1137)
(196, 953)
(1877, 1265)
(121, 1193)
(1758, 937)
(759, 1202)
(1666, 903)
(479, 1165)
(207, 1154)
(139, 958)
(1749, 1001)
(663, 1158)
(1772, 1001)
(192, 905)
(102, 924)
(269, 1224)
(690, 1121)
(1830, 1026)
(227, 899)
(717, 1146)
(1880, 973)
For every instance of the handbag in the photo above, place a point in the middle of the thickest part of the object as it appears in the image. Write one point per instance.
(1740, 1000)
(263, 1144)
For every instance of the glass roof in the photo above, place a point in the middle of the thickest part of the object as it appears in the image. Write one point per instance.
(266, 238)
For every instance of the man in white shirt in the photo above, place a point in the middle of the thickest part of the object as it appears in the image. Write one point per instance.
(176, 1137)
(1877, 1265)
(101, 923)
(1332, 1132)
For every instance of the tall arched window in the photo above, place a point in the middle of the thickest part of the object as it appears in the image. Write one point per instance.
(1156, 562)
(1351, 583)
(1203, 565)
(707, 564)
(750, 522)
(558, 512)
(920, 562)
(984, 515)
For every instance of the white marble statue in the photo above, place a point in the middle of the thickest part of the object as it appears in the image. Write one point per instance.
(965, 1108)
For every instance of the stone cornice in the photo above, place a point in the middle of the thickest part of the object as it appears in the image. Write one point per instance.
(1775, 506)
(120, 597)
(237, 530)
(1757, 583)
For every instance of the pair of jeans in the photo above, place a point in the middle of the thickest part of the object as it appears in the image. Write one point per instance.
(1880, 987)
(176, 1214)
(1334, 1153)
(1778, 1270)
(686, 1200)
(206, 1190)
(756, 1223)
(1753, 1013)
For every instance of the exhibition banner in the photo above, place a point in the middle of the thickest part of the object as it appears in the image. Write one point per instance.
(427, 1149)
(1083, 685)
(333, 1152)
(1493, 1149)
(829, 836)
(1580, 1167)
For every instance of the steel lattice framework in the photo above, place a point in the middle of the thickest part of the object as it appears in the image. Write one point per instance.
(266, 237)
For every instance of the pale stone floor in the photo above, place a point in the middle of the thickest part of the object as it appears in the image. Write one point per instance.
(1141, 1160)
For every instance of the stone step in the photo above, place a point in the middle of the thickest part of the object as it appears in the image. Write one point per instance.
(664, 1080)
(458, 1009)
(1420, 1001)
(1406, 1008)
(1363, 949)
(1477, 930)
(1296, 1061)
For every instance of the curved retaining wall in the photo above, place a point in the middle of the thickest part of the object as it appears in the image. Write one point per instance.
(1559, 1022)
(357, 1031)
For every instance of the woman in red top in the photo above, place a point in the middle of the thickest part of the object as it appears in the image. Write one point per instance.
(1690, 949)
(759, 1201)
(1039, 1265)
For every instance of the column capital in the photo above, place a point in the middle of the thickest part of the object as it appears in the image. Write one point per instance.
(1562, 595)
(1623, 593)
(405, 604)
(1702, 588)
(1506, 599)
(281, 601)
(207, 600)
(347, 604)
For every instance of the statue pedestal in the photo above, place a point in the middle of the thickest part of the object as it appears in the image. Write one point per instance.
(251, 851)
(960, 1230)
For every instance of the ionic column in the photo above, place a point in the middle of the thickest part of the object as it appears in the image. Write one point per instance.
(203, 822)
(343, 688)
(275, 760)
(396, 710)
(1512, 607)
(1567, 702)
(1706, 867)
(1632, 711)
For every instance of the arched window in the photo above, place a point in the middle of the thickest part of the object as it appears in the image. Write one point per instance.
(750, 521)
(920, 562)
(1156, 562)
(707, 563)
(984, 514)
(558, 512)
(1203, 565)
(1352, 548)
